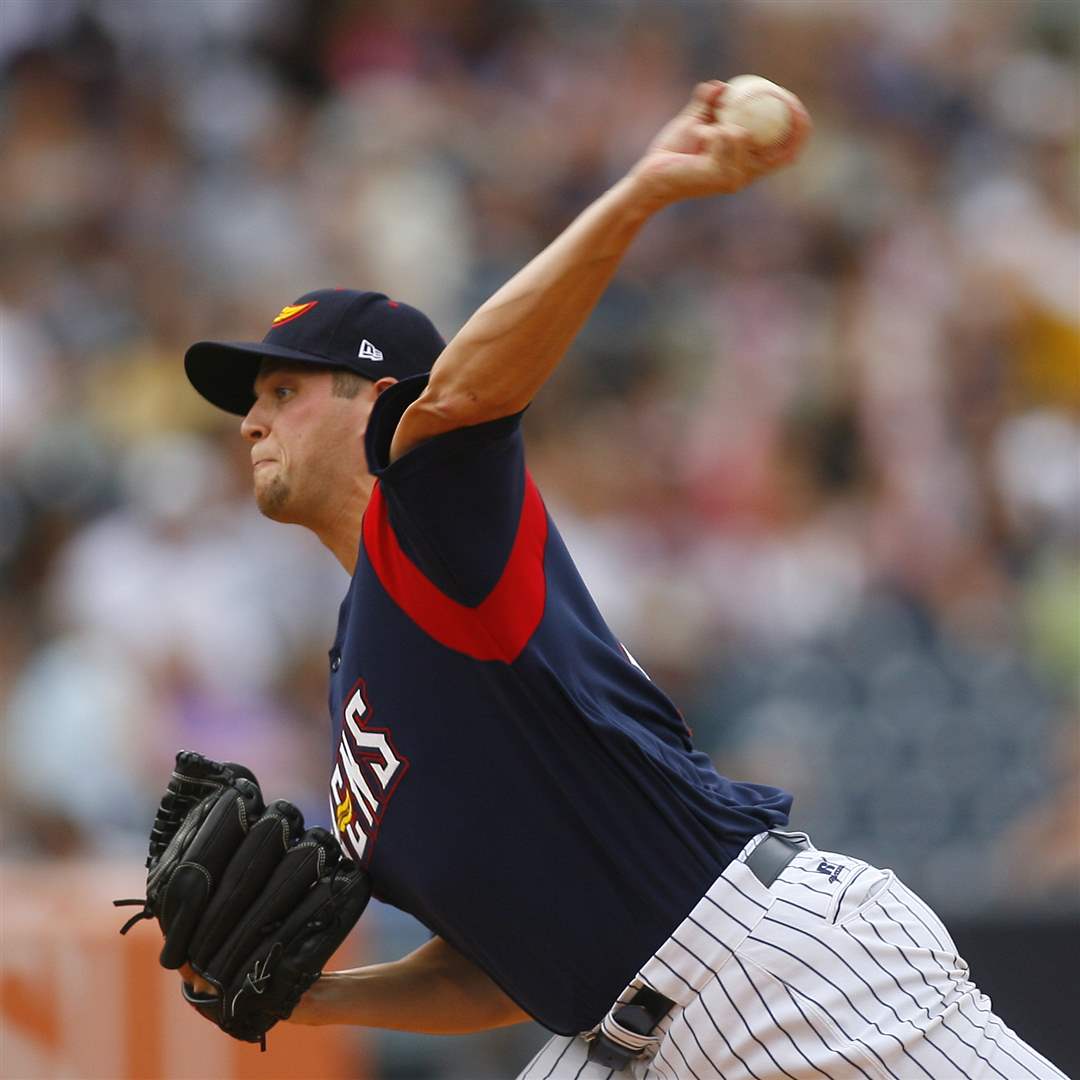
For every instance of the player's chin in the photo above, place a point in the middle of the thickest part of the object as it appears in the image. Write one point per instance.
(273, 498)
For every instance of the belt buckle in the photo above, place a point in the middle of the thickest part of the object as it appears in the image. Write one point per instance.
(639, 1016)
(608, 1054)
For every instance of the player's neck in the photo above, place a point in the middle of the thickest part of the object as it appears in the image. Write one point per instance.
(341, 532)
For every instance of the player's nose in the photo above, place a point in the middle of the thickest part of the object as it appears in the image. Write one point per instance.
(254, 426)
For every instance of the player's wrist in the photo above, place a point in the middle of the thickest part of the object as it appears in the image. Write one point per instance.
(315, 1006)
(642, 192)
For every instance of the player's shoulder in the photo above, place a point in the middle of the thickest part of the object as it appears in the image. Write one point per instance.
(404, 434)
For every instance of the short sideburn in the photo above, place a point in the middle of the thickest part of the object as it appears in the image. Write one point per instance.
(346, 384)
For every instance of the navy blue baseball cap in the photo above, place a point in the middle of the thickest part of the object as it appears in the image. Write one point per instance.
(363, 332)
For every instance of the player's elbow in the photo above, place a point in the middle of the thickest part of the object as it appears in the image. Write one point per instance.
(511, 1015)
(491, 1008)
(478, 1002)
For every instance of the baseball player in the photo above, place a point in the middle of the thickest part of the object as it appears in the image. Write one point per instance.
(504, 769)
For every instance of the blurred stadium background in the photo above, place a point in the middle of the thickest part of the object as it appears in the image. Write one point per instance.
(817, 453)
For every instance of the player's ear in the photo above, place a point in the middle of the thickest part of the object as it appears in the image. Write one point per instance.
(384, 384)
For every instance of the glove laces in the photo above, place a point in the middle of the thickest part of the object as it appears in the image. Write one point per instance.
(146, 913)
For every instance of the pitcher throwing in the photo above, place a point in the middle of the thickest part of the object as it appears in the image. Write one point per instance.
(503, 769)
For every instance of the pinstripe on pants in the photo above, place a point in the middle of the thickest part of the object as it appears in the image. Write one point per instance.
(836, 971)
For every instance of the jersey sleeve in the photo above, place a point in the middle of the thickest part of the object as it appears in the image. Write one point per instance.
(460, 508)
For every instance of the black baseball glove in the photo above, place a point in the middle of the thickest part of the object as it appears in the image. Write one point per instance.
(243, 893)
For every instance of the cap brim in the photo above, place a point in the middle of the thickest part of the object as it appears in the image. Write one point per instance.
(224, 371)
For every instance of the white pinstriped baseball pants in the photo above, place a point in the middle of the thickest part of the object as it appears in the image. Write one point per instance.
(835, 971)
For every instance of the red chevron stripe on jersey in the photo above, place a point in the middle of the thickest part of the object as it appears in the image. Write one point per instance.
(500, 626)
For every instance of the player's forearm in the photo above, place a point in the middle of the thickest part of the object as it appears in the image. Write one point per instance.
(433, 990)
(504, 353)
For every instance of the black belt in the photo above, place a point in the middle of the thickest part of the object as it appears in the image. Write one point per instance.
(648, 1007)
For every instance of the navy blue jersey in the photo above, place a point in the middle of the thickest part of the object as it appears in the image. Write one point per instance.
(503, 768)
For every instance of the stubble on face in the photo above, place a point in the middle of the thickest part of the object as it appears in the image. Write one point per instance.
(272, 497)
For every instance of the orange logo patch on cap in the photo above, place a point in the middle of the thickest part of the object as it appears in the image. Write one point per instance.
(293, 311)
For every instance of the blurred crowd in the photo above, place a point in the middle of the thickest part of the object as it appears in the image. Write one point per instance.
(817, 453)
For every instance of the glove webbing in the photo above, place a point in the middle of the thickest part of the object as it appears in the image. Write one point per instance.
(182, 794)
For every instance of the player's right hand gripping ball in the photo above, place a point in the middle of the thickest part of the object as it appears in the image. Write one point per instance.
(775, 118)
(251, 901)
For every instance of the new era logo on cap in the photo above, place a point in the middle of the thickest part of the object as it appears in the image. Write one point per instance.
(368, 351)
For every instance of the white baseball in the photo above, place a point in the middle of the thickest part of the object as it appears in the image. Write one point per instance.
(759, 106)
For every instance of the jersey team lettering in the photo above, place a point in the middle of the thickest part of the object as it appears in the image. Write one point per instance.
(366, 773)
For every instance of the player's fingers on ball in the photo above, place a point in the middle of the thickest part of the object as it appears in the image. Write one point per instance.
(727, 144)
(704, 134)
(798, 132)
(801, 127)
(711, 93)
(709, 138)
(785, 153)
(749, 161)
(703, 100)
(762, 159)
